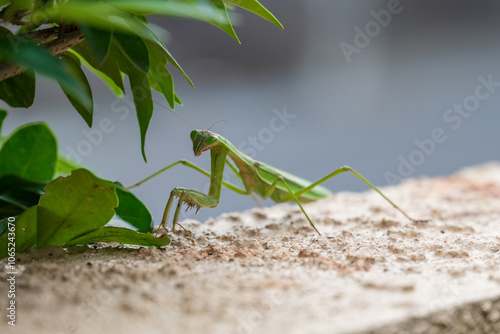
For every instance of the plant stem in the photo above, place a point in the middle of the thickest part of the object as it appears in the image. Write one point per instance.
(57, 45)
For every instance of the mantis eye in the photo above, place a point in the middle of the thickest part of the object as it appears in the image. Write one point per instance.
(193, 134)
(212, 141)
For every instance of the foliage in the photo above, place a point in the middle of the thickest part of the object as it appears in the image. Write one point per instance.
(110, 37)
(56, 39)
(67, 210)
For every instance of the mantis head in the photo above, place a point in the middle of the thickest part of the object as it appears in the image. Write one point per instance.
(203, 140)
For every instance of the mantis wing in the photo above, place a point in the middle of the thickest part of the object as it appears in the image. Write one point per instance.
(281, 194)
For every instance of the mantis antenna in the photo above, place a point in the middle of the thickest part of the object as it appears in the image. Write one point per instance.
(221, 120)
(173, 112)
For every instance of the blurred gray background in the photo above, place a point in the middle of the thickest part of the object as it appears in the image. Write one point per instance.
(367, 112)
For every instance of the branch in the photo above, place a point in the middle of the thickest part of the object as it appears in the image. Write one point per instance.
(42, 35)
(57, 46)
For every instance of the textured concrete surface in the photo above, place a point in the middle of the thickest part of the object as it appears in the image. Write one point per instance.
(267, 271)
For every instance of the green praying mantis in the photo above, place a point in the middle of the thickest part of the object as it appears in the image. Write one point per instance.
(257, 178)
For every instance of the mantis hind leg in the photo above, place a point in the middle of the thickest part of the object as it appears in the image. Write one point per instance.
(271, 188)
(280, 178)
(294, 196)
(349, 169)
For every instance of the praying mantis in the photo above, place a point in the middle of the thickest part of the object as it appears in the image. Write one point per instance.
(257, 178)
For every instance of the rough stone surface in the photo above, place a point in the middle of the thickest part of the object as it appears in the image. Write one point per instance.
(267, 271)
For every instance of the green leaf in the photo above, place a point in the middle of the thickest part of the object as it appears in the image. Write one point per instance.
(178, 100)
(134, 49)
(25, 233)
(65, 166)
(74, 206)
(158, 45)
(73, 63)
(99, 41)
(3, 114)
(203, 10)
(5, 33)
(141, 92)
(255, 7)
(108, 71)
(23, 52)
(18, 194)
(4, 223)
(160, 78)
(121, 235)
(19, 91)
(133, 211)
(141, 18)
(103, 15)
(225, 25)
(30, 152)
(18, 8)
(8, 209)
(210, 11)
(143, 104)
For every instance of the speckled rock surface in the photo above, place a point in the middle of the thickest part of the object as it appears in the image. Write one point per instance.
(267, 271)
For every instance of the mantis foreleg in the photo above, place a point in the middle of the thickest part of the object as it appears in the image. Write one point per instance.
(196, 168)
(193, 198)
